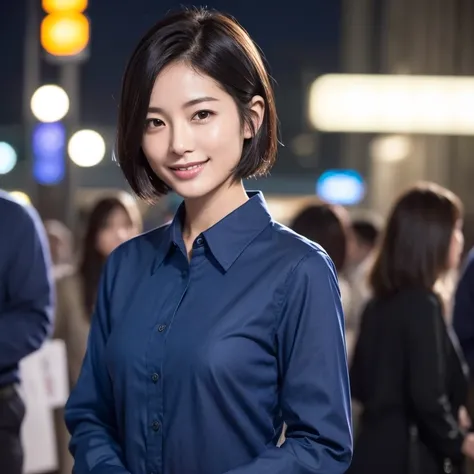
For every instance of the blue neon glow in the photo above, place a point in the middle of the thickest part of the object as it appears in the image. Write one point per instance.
(49, 151)
(344, 187)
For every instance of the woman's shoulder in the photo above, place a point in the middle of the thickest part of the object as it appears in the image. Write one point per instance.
(296, 246)
(141, 248)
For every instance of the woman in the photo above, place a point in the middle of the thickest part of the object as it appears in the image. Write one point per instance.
(111, 221)
(407, 372)
(213, 330)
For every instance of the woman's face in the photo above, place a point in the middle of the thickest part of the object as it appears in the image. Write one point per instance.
(193, 135)
(456, 246)
(116, 230)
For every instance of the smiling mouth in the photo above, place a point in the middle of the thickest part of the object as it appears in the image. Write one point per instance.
(189, 171)
(191, 166)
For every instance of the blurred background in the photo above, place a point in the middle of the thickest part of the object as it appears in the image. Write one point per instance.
(362, 116)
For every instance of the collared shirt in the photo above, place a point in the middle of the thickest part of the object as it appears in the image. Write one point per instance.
(26, 286)
(193, 366)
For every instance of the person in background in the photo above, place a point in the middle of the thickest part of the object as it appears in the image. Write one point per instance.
(463, 314)
(213, 330)
(364, 235)
(111, 221)
(61, 246)
(463, 324)
(26, 315)
(408, 372)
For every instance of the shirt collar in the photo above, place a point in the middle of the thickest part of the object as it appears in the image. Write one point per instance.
(229, 237)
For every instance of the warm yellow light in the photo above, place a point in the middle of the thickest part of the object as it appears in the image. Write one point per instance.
(391, 148)
(393, 104)
(55, 6)
(65, 34)
(21, 197)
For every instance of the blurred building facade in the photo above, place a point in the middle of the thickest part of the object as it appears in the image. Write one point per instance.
(426, 37)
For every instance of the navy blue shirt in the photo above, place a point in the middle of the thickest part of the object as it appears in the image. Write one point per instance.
(192, 366)
(26, 289)
(463, 316)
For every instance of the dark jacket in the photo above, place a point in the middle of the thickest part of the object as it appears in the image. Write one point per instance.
(407, 373)
(26, 287)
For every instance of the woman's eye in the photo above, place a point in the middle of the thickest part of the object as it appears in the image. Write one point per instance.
(154, 123)
(202, 115)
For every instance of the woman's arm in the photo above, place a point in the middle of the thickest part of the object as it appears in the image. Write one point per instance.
(315, 398)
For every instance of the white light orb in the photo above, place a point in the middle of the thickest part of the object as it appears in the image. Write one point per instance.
(86, 148)
(8, 158)
(50, 103)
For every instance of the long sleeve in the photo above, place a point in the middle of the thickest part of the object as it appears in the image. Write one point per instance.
(90, 410)
(315, 399)
(27, 319)
(463, 316)
(427, 381)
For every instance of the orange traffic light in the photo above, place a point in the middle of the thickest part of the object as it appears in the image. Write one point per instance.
(65, 30)
(65, 34)
(56, 6)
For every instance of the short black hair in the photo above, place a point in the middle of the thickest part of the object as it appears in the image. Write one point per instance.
(322, 223)
(416, 241)
(216, 45)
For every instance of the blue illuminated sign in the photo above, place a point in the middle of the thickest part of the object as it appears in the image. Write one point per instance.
(49, 150)
(344, 187)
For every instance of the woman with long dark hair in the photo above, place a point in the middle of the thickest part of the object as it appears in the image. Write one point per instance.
(407, 372)
(112, 221)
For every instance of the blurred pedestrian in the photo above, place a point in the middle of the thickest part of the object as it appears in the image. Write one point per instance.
(408, 372)
(26, 315)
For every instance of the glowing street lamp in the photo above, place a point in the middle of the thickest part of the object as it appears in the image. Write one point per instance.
(50, 103)
(86, 148)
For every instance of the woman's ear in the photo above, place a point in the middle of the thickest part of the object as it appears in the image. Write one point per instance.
(257, 110)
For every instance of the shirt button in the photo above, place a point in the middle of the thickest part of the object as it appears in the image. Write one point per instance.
(162, 327)
(155, 377)
(156, 425)
(199, 241)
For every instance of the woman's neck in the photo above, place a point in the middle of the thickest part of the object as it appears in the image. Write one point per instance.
(202, 213)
